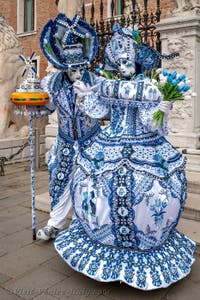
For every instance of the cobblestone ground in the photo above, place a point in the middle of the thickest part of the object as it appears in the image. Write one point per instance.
(33, 270)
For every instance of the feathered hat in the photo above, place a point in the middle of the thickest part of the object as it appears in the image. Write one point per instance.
(68, 43)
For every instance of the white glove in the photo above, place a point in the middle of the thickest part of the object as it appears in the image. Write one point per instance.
(165, 106)
(80, 88)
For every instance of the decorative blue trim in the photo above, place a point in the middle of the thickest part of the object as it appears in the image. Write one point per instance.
(147, 139)
(121, 202)
(136, 161)
(132, 102)
(78, 33)
(50, 57)
(146, 270)
(139, 94)
(60, 170)
(64, 137)
(89, 136)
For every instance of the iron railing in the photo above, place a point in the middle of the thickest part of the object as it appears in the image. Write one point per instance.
(145, 20)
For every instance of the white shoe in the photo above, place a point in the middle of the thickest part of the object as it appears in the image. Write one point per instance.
(46, 233)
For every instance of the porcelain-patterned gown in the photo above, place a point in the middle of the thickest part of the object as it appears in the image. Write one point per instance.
(128, 193)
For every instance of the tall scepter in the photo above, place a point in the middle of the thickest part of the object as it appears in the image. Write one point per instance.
(29, 98)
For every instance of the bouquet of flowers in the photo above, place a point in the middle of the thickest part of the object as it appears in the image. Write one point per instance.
(174, 87)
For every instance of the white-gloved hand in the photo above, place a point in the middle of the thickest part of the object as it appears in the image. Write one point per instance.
(80, 89)
(165, 106)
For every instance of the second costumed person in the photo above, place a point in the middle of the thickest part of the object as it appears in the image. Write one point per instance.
(70, 46)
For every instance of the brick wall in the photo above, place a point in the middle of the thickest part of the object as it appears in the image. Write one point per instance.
(45, 10)
(166, 5)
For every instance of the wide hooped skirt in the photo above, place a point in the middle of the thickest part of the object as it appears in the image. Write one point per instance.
(145, 270)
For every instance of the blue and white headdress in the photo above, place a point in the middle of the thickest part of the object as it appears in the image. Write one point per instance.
(69, 43)
(124, 44)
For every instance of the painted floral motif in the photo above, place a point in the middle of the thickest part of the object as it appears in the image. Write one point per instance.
(158, 209)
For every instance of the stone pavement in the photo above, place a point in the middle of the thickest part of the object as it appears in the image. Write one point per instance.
(33, 270)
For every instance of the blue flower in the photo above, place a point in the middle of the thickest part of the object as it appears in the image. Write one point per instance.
(164, 204)
(99, 155)
(186, 88)
(164, 72)
(98, 70)
(174, 75)
(174, 82)
(135, 33)
(182, 77)
(169, 78)
(180, 89)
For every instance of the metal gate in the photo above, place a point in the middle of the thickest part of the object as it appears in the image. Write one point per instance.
(144, 19)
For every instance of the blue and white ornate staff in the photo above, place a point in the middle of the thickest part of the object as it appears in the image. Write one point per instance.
(32, 160)
(29, 96)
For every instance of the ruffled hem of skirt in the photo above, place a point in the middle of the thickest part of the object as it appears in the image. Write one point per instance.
(145, 270)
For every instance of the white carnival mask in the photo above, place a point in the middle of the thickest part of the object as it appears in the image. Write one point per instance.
(74, 74)
(126, 66)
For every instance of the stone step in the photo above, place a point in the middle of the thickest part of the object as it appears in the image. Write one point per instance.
(192, 207)
(191, 229)
(191, 151)
(42, 202)
(193, 168)
(193, 159)
(193, 179)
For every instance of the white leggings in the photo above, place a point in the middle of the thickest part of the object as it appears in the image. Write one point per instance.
(60, 211)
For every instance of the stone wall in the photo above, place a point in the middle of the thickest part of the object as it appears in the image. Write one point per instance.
(181, 33)
(9, 147)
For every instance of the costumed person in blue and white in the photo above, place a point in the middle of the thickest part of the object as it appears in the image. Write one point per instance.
(70, 45)
(129, 188)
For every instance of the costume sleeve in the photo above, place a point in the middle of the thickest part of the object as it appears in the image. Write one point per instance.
(149, 105)
(93, 105)
(50, 106)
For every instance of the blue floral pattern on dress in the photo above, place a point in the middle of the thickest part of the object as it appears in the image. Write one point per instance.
(59, 170)
(143, 270)
(128, 193)
(158, 210)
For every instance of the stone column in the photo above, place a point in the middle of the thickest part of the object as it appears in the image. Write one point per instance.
(180, 32)
(69, 7)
